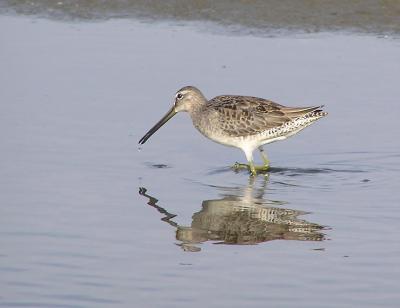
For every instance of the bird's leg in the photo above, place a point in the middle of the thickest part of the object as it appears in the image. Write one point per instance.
(250, 166)
(264, 158)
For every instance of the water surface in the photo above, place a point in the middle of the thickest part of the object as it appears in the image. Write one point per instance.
(88, 220)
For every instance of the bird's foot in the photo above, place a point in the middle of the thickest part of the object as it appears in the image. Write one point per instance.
(238, 166)
(253, 171)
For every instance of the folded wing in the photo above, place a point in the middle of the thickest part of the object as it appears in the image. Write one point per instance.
(246, 115)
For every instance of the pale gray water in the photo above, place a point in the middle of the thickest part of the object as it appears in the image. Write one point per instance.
(75, 226)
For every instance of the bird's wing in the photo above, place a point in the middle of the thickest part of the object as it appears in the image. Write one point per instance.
(247, 115)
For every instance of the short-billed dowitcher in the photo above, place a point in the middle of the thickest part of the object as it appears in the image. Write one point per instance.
(244, 122)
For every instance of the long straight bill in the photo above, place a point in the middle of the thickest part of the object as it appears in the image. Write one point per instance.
(160, 123)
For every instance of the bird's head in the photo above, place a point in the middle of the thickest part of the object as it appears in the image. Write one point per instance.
(187, 99)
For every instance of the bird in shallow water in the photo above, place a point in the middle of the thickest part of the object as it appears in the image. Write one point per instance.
(244, 122)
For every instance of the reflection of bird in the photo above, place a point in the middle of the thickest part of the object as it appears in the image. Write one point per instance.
(244, 122)
(241, 217)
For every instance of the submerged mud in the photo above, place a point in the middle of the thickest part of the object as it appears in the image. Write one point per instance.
(258, 16)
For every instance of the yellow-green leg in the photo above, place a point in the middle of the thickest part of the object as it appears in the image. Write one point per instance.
(250, 166)
(264, 158)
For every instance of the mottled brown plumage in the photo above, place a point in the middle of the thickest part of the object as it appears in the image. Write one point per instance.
(248, 115)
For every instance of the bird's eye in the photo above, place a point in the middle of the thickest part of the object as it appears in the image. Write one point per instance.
(179, 96)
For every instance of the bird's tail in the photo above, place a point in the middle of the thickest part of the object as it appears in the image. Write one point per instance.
(305, 112)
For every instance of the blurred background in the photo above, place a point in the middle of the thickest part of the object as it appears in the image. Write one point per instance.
(246, 16)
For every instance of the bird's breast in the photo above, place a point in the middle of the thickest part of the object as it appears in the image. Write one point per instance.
(209, 126)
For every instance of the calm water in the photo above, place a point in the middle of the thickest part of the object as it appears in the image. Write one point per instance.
(89, 220)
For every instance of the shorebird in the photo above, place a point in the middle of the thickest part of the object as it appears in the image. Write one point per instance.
(244, 122)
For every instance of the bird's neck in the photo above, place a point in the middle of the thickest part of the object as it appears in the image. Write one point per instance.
(196, 108)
